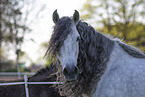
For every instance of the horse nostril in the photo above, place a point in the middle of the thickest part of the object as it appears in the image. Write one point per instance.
(76, 70)
(72, 70)
(65, 71)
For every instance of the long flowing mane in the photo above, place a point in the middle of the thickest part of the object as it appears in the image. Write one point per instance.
(94, 52)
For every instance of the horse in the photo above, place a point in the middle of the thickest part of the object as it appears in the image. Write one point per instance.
(44, 75)
(91, 64)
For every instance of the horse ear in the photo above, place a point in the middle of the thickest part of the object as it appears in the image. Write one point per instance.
(76, 16)
(55, 16)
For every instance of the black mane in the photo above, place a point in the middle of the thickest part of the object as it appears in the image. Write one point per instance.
(135, 52)
(94, 52)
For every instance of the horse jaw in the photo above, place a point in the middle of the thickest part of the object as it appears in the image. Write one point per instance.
(68, 55)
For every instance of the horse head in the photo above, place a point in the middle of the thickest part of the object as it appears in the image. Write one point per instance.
(67, 43)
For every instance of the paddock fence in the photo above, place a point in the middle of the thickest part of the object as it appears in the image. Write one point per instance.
(26, 83)
(10, 76)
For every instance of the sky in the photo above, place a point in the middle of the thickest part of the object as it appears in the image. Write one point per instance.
(42, 29)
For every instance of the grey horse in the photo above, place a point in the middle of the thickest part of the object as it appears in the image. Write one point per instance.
(93, 64)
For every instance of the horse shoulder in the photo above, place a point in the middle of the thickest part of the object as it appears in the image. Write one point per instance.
(124, 76)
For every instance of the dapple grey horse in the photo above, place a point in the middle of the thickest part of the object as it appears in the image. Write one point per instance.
(92, 64)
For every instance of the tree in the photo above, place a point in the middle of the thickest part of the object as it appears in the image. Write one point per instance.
(14, 23)
(122, 18)
(12, 29)
(88, 10)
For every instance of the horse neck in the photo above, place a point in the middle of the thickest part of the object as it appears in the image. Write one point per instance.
(94, 47)
(94, 53)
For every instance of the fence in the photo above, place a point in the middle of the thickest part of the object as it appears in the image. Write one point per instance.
(26, 84)
(13, 75)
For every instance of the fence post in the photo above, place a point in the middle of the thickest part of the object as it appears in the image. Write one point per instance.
(26, 85)
(18, 69)
(18, 51)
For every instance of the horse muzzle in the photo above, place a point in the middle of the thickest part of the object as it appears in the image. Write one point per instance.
(70, 73)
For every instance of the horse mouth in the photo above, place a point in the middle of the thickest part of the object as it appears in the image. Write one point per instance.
(71, 74)
(70, 77)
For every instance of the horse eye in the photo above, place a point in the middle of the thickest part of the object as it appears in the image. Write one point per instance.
(78, 38)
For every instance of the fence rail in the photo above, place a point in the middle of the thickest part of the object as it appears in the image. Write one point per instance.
(32, 83)
(15, 73)
(26, 83)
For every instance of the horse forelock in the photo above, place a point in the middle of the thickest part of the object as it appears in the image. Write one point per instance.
(61, 30)
(94, 52)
